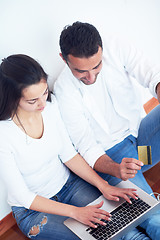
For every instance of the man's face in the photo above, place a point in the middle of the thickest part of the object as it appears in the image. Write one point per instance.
(86, 69)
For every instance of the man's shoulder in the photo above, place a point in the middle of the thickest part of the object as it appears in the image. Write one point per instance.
(115, 43)
(64, 74)
(65, 83)
(52, 105)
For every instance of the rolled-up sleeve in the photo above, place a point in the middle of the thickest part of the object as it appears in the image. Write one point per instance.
(77, 125)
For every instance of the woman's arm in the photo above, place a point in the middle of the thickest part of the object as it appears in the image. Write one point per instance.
(87, 215)
(80, 167)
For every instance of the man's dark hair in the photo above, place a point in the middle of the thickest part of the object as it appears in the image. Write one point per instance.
(80, 40)
(16, 73)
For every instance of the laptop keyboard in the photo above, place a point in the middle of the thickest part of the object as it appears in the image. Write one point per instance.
(121, 216)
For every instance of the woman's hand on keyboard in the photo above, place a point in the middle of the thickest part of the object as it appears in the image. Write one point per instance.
(114, 193)
(91, 215)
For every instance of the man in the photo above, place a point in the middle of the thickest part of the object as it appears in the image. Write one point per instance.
(100, 105)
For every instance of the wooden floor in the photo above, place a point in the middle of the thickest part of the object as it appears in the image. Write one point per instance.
(13, 234)
(152, 176)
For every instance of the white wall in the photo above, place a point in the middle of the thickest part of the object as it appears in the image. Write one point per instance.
(33, 27)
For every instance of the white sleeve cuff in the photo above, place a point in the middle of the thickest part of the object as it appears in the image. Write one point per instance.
(93, 154)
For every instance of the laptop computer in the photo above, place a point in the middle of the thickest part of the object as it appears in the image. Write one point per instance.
(125, 216)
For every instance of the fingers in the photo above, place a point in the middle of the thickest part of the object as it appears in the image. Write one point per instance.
(131, 172)
(132, 163)
(104, 216)
(127, 198)
(126, 193)
(129, 168)
(102, 213)
(114, 193)
(99, 205)
(113, 197)
(98, 215)
(132, 192)
(97, 219)
(127, 176)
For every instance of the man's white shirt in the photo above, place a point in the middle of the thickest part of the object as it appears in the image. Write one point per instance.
(100, 115)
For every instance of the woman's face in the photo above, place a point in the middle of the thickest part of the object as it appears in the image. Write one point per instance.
(34, 97)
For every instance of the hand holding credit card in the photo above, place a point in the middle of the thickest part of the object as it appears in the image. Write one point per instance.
(144, 154)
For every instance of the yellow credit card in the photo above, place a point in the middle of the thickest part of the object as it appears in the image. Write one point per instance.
(144, 154)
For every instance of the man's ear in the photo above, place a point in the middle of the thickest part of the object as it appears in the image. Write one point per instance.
(60, 54)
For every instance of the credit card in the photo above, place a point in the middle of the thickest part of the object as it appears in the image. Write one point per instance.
(144, 154)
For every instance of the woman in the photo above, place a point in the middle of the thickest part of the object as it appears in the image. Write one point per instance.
(36, 155)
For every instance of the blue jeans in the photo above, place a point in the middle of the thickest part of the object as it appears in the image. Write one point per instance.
(149, 134)
(79, 193)
(128, 148)
(76, 192)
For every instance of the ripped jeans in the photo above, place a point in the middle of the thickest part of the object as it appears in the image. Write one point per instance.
(44, 226)
(49, 226)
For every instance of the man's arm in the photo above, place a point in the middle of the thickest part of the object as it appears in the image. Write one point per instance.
(125, 170)
(83, 138)
(77, 123)
(83, 170)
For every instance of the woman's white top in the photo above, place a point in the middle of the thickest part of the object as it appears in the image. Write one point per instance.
(31, 167)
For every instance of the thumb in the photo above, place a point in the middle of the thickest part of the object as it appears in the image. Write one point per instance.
(99, 205)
